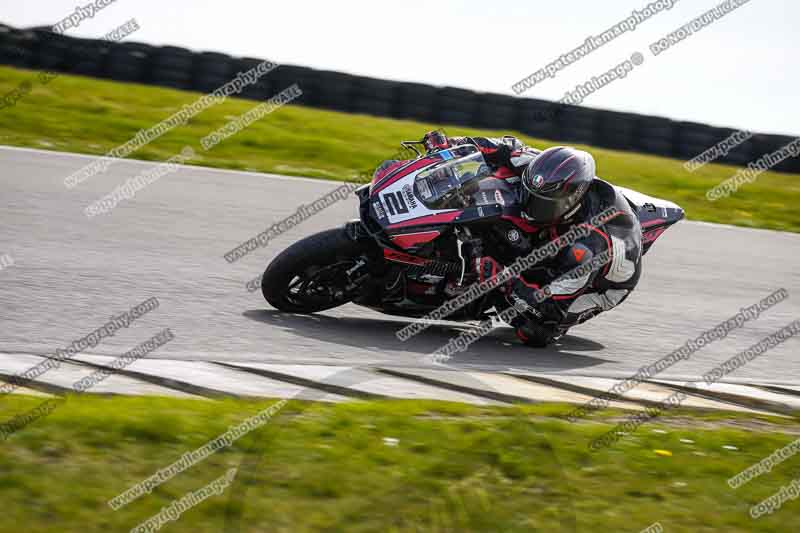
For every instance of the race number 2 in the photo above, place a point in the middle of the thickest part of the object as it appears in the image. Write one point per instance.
(395, 203)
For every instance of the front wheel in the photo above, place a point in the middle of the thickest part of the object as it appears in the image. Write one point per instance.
(312, 275)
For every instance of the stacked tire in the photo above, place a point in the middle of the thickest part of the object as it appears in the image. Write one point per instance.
(306, 78)
(53, 52)
(694, 139)
(615, 130)
(334, 90)
(416, 101)
(577, 125)
(129, 62)
(373, 97)
(212, 70)
(497, 111)
(16, 47)
(540, 118)
(655, 135)
(740, 154)
(87, 57)
(456, 106)
(172, 67)
(766, 144)
(261, 89)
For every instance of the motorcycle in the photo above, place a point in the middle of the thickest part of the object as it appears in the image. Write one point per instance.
(422, 223)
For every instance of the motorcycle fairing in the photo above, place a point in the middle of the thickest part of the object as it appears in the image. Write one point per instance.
(656, 215)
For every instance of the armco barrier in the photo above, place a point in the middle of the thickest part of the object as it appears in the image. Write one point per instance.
(179, 68)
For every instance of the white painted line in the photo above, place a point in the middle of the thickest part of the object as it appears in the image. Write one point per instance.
(53, 153)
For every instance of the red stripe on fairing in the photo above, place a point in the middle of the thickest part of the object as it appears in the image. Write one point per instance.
(402, 173)
(400, 257)
(440, 218)
(653, 222)
(653, 234)
(412, 239)
(388, 170)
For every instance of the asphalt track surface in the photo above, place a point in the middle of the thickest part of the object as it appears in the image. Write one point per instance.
(71, 273)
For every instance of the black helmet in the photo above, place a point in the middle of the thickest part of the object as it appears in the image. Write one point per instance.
(554, 183)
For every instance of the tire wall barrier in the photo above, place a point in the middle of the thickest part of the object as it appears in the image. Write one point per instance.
(179, 68)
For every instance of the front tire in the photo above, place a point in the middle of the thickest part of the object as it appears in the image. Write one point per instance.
(310, 275)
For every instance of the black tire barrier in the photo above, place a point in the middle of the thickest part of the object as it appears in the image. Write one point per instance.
(615, 130)
(261, 89)
(87, 58)
(416, 101)
(306, 78)
(692, 132)
(14, 56)
(211, 70)
(53, 52)
(333, 90)
(179, 68)
(373, 96)
(697, 139)
(577, 124)
(129, 62)
(766, 144)
(656, 135)
(740, 155)
(496, 111)
(540, 118)
(172, 67)
(18, 48)
(693, 139)
(456, 106)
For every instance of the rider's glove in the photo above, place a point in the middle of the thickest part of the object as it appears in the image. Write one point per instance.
(435, 140)
(489, 269)
(500, 157)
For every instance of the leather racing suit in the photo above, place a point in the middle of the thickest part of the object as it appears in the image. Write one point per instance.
(588, 276)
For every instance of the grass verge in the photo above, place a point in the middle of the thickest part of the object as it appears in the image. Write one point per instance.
(321, 467)
(89, 116)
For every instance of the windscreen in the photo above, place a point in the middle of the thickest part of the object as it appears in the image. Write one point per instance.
(448, 184)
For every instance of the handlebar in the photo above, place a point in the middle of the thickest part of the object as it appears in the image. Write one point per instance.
(410, 144)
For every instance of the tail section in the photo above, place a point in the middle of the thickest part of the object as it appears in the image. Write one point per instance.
(655, 215)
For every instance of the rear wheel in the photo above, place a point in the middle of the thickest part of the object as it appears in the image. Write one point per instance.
(312, 274)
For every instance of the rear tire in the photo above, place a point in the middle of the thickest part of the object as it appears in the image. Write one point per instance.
(321, 251)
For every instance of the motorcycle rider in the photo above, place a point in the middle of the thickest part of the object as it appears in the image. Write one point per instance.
(558, 190)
